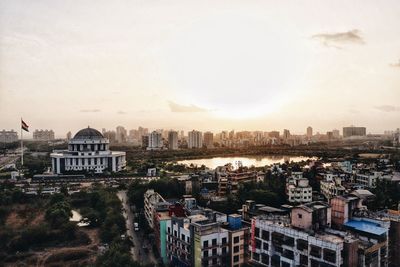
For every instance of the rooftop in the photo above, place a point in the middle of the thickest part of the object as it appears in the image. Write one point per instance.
(366, 227)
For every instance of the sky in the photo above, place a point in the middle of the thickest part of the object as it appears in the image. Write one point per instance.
(206, 65)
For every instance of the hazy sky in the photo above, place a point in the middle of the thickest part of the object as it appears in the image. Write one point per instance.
(207, 65)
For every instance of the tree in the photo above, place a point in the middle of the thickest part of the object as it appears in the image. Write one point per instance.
(58, 214)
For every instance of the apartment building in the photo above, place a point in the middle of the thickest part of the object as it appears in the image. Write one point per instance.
(229, 180)
(8, 136)
(210, 244)
(298, 188)
(310, 241)
(332, 186)
(43, 135)
(195, 139)
(153, 202)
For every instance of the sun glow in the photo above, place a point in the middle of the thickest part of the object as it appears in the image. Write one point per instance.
(235, 66)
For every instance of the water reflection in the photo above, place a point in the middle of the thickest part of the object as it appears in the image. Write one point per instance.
(260, 161)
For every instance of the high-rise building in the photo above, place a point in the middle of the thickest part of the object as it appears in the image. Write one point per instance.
(121, 134)
(172, 140)
(43, 135)
(195, 139)
(354, 131)
(286, 134)
(155, 141)
(209, 139)
(8, 136)
(309, 132)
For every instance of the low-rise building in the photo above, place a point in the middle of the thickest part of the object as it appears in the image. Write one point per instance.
(332, 186)
(298, 189)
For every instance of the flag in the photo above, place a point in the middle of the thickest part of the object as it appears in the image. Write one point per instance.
(24, 126)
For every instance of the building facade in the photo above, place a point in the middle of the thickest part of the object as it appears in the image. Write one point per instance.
(172, 140)
(209, 139)
(195, 139)
(298, 189)
(88, 151)
(354, 131)
(43, 135)
(155, 141)
(8, 136)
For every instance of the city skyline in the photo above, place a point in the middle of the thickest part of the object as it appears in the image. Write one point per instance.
(239, 65)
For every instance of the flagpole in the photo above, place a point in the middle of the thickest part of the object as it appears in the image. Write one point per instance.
(22, 148)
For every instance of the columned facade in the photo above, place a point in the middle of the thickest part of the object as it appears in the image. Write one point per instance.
(88, 151)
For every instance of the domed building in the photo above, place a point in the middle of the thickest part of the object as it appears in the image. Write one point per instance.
(88, 151)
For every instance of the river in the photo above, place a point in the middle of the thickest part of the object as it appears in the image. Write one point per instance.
(260, 161)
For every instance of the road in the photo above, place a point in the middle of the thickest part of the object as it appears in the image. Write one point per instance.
(138, 254)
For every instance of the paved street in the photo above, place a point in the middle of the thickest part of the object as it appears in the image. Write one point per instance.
(138, 254)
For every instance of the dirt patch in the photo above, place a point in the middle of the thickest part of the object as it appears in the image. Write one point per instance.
(24, 215)
(14, 220)
(72, 256)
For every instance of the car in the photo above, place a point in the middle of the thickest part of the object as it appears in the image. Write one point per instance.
(136, 226)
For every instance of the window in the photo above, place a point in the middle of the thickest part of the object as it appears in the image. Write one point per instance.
(236, 258)
(205, 253)
(315, 251)
(175, 233)
(299, 215)
(257, 232)
(183, 237)
(265, 259)
(258, 243)
(214, 242)
(265, 235)
(265, 246)
(302, 244)
(205, 244)
(236, 239)
(224, 240)
(214, 261)
(330, 255)
(214, 252)
(256, 256)
(224, 250)
(236, 249)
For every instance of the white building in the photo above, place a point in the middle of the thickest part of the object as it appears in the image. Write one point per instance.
(88, 151)
(155, 141)
(151, 199)
(298, 188)
(172, 140)
(332, 186)
(195, 139)
(368, 179)
(8, 136)
(277, 244)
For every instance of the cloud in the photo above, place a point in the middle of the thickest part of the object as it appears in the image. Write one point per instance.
(395, 65)
(90, 110)
(120, 112)
(338, 39)
(174, 107)
(388, 108)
